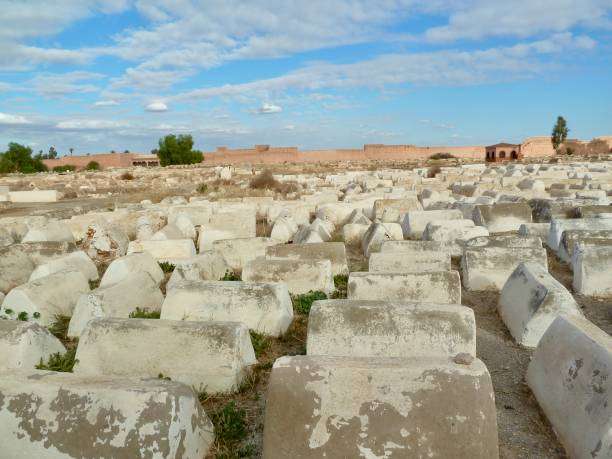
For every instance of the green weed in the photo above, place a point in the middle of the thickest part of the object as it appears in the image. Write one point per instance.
(302, 303)
(59, 362)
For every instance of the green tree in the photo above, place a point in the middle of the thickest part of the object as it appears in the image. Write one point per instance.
(93, 166)
(178, 150)
(559, 133)
(18, 158)
(52, 153)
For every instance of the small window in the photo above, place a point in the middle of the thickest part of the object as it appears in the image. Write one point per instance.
(502, 154)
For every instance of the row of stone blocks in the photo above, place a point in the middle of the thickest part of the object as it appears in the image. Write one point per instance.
(383, 379)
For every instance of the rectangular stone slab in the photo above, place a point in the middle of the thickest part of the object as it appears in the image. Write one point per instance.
(431, 287)
(570, 376)
(301, 276)
(211, 356)
(263, 307)
(361, 328)
(531, 300)
(409, 262)
(488, 268)
(335, 252)
(592, 266)
(49, 415)
(339, 407)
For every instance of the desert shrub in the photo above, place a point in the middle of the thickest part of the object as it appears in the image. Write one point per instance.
(23, 316)
(144, 313)
(59, 362)
(442, 155)
(202, 188)
(64, 168)
(264, 181)
(230, 276)
(433, 171)
(303, 302)
(126, 176)
(166, 266)
(598, 147)
(93, 166)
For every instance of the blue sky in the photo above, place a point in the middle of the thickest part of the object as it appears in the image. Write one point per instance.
(101, 75)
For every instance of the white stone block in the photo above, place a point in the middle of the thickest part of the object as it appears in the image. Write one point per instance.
(123, 267)
(356, 328)
(265, 308)
(416, 221)
(301, 276)
(34, 196)
(488, 268)
(170, 251)
(75, 261)
(379, 233)
(335, 252)
(210, 356)
(55, 294)
(238, 252)
(569, 375)
(322, 406)
(100, 417)
(15, 267)
(136, 291)
(52, 231)
(24, 344)
(592, 267)
(205, 266)
(531, 300)
(430, 287)
(399, 262)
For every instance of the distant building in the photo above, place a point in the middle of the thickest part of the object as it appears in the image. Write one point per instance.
(106, 160)
(501, 152)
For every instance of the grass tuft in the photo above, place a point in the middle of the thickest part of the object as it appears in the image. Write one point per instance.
(341, 284)
(230, 276)
(302, 303)
(261, 343)
(166, 267)
(230, 428)
(144, 313)
(59, 327)
(59, 362)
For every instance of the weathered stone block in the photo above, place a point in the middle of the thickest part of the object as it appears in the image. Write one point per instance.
(75, 261)
(34, 196)
(502, 217)
(339, 407)
(24, 344)
(379, 233)
(210, 356)
(301, 276)
(488, 268)
(15, 268)
(569, 375)
(358, 328)
(237, 252)
(53, 231)
(55, 294)
(49, 415)
(557, 227)
(430, 287)
(263, 307)
(531, 300)
(123, 267)
(137, 290)
(335, 252)
(402, 262)
(204, 266)
(171, 250)
(416, 221)
(592, 267)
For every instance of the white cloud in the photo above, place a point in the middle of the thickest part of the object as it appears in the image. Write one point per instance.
(476, 19)
(62, 84)
(157, 106)
(438, 68)
(105, 103)
(267, 109)
(6, 118)
(289, 127)
(89, 124)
